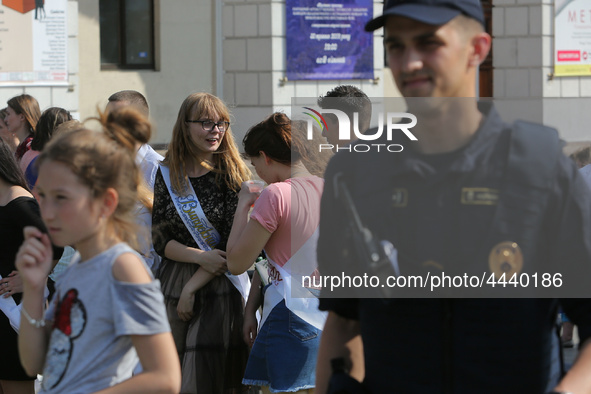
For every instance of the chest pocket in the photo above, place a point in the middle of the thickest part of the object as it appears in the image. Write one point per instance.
(452, 222)
(477, 207)
(524, 184)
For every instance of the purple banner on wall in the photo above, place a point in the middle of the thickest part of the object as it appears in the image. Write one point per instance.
(327, 40)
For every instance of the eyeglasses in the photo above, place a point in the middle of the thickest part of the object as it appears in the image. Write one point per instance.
(208, 125)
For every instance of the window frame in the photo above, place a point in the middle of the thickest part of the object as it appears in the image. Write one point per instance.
(122, 65)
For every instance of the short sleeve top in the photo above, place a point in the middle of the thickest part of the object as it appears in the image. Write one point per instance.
(93, 317)
(289, 210)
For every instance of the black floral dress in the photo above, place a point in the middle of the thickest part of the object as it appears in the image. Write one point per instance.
(211, 349)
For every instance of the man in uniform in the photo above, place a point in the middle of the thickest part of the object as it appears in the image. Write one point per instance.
(474, 196)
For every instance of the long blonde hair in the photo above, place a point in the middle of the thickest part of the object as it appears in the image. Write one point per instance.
(182, 151)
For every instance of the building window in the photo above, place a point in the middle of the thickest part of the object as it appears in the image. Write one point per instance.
(127, 34)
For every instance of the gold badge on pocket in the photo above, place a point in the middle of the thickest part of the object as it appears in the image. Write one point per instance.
(399, 198)
(505, 258)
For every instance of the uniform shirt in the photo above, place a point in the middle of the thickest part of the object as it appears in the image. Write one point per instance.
(424, 206)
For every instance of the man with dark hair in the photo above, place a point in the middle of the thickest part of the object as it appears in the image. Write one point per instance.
(146, 158)
(350, 100)
(471, 196)
(129, 97)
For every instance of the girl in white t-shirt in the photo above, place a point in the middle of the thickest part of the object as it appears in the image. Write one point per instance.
(107, 309)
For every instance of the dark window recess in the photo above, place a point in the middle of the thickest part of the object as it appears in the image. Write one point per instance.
(486, 68)
(127, 34)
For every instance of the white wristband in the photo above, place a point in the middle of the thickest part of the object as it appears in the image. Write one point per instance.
(34, 322)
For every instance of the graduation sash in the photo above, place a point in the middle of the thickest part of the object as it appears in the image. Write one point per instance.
(286, 284)
(207, 237)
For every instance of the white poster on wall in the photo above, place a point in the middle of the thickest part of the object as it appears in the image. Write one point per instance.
(33, 42)
(572, 37)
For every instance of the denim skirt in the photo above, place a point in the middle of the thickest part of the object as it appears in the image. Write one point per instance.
(283, 356)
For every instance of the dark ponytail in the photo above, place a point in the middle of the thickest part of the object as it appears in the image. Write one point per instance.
(285, 141)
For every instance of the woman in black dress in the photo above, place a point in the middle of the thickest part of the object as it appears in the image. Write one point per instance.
(207, 324)
(18, 209)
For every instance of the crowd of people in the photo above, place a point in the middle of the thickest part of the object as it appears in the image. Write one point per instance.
(99, 215)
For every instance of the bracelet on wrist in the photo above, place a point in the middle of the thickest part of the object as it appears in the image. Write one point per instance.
(34, 322)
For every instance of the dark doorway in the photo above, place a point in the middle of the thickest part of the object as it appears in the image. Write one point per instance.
(486, 68)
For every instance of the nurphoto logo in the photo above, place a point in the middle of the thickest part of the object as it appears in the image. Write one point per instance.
(346, 128)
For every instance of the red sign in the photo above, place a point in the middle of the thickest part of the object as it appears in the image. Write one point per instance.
(569, 56)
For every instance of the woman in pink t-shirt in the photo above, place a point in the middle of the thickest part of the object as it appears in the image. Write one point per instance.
(283, 222)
